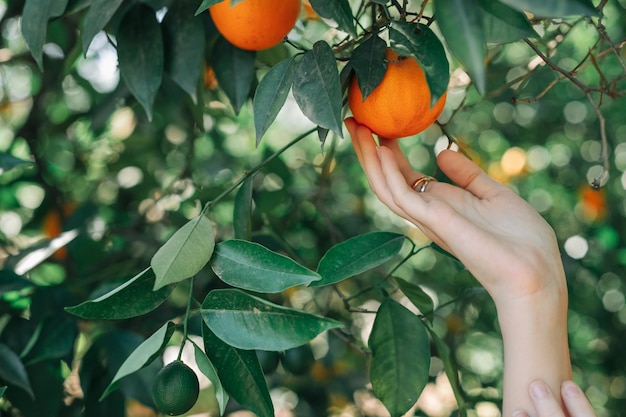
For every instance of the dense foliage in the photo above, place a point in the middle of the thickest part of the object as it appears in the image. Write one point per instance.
(161, 188)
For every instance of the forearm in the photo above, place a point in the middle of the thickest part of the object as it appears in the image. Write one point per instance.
(534, 332)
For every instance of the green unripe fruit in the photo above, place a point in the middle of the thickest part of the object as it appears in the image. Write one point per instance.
(175, 389)
(268, 360)
(299, 360)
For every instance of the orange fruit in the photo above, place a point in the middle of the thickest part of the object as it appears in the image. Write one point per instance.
(255, 24)
(400, 105)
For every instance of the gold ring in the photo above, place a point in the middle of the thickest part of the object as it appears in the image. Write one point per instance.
(421, 184)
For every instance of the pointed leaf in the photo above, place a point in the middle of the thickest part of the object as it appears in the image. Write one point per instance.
(8, 162)
(460, 22)
(206, 4)
(368, 61)
(142, 356)
(54, 338)
(242, 224)
(416, 295)
(133, 298)
(98, 15)
(337, 10)
(356, 255)
(12, 370)
(234, 69)
(185, 253)
(253, 267)
(35, 17)
(240, 373)
(184, 38)
(420, 42)
(248, 322)
(207, 368)
(400, 357)
(316, 87)
(271, 94)
(140, 54)
(449, 367)
(503, 24)
(554, 8)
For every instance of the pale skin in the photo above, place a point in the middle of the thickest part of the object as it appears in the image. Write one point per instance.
(506, 245)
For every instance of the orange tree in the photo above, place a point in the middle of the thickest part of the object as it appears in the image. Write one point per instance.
(215, 210)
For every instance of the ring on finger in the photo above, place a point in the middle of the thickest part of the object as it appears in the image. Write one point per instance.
(421, 184)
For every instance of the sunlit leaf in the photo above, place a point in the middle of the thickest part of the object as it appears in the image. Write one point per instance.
(98, 15)
(12, 370)
(240, 373)
(461, 24)
(208, 369)
(421, 43)
(271, 94)
(140, 54)
(400, 357)
(368, 61)
(337, 10)
(142, 356)
(356, 255)
(316, 87)
(253, 267)
(248, 322)
(503, 24)
(133, 298)
(185, 253)
(35, 17)
(554, 8)
(235, 72)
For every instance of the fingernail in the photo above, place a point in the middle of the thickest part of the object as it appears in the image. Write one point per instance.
(520, 413)
(539, 390)
(570, 389)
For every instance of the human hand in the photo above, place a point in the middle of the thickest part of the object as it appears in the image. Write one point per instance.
(499, 237)
(575, 402)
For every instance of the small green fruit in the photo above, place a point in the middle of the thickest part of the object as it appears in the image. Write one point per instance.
(175, 389)
(299, 360)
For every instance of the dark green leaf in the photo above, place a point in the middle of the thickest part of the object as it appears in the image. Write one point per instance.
(35, 17)
(12, 370)
(99, 14)
(416, 295)
(184, 46)
(140, 54)
(54, 338)
(400, 357)
(449, 367)
(460, 22)
(368, 61)
(8, 162)
(206, 4)
(253, 267)
(356, 255)
(503, 24)
(2, 391)
(242, 223)
(240, 373)
(554, 8)
(208, 369)
(185, 253)
(316, 87)
(10, 281)
(46, 379)
(271, 94)
(337, 10)
(142, 356)
(234, 69)
(248, 322)
(133, 298)
(420, 42)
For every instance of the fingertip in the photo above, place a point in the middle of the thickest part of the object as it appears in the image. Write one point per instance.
(520, 413)
(570, 389)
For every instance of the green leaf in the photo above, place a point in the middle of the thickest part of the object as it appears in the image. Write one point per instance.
(400, 357)
(207, 368)
(133, 298)
(242, 224)
(554, 8)
(205, 5)
(316, 87)
(240, 373)
(368, 61)
(234, 69)
(271, 94)
(248, 322)
(461, 24)
(12, 370)
(184, 45)
(35, 17)
(10, 281)
(2, 391)
(140, 54)
(337, 10)
(97, 17)
(253, 267)
(449, 367)
(416, 295)
(421, 43)
(142, 356)
(185, 253)
(503, 24)
(356, 255)
(8, 162)
(53, 338)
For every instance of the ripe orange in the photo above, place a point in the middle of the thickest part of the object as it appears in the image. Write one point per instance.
(255, 24)
(400, 105)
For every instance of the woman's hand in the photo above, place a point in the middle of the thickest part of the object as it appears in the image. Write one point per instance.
(574, 401)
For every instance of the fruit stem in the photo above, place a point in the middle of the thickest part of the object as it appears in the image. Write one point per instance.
(186, 319)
